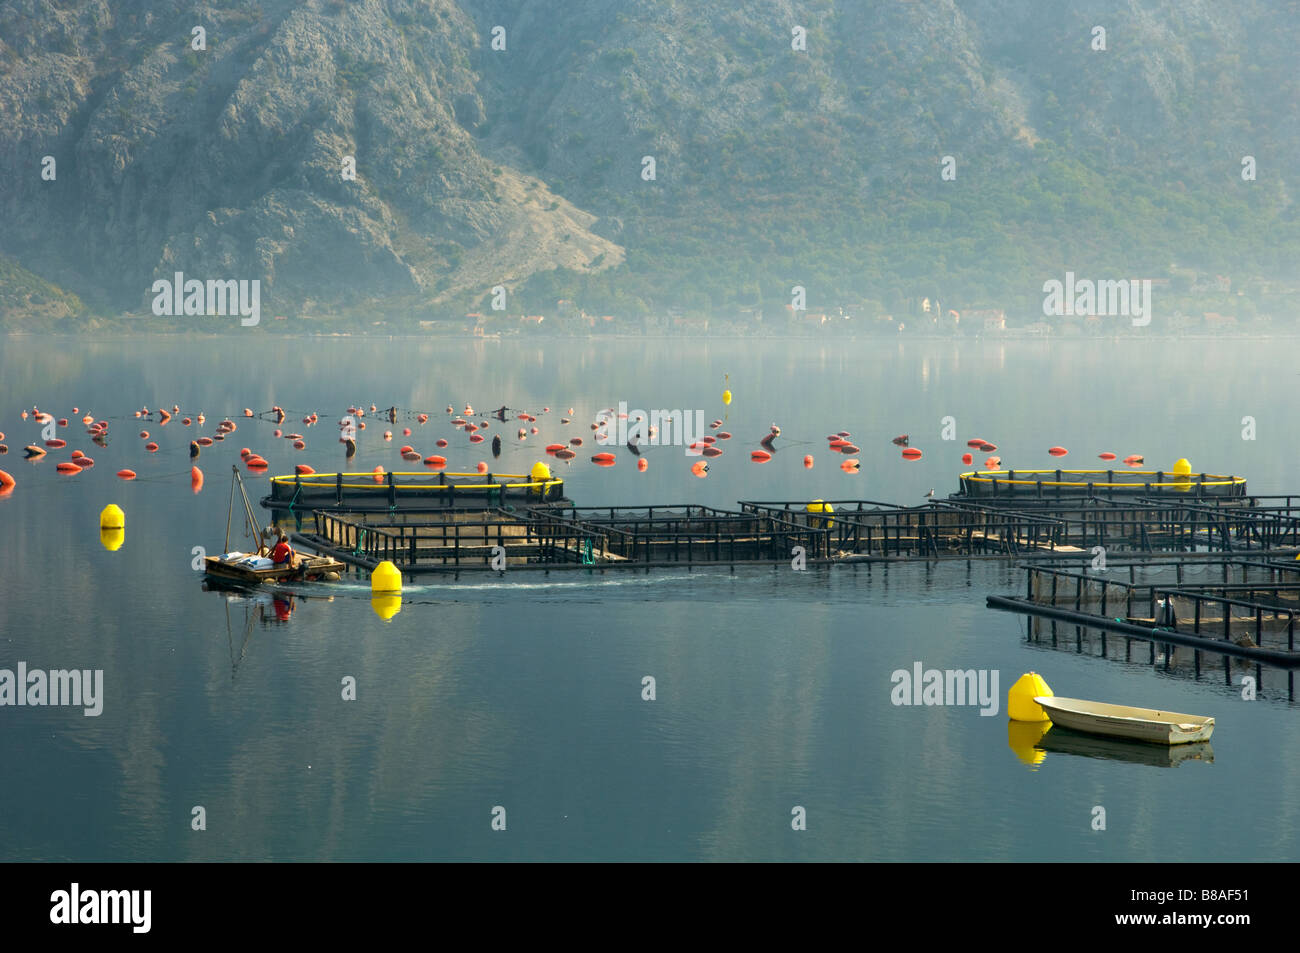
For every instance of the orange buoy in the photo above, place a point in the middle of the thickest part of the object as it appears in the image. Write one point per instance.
(837, 443)
(204, 441)
(1106, 456)
(34, 451)
(303, 469)
(163, 417)
(405, 448)
(144, 435)
(808, 461)
(247, 412)
(379, 474)
(126, 474)
(63, 421)
(435, 461)
(482, 467)
(56, 444)
(723, 435)
(700, 469)
(575, 442)
(151, 447)
(603, 459)
(967, 459)
(388, 435)
(423, 418)
(476, 438)
(76, 453)
(643, 464)
(976, 442)
(84, 461)
(441, 443)
(993, 463)
(552, 447)
(68, 468)
(1057, 451)
(759, 456)
(254, 462)
(1135, 459)
(911, 453)
(406, 431)
(299, 445)
(187, 421)
(196, 479)
(851, 466)
(6, 480)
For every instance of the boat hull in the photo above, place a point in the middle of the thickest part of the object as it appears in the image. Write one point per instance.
(1128, 723)
(309, 568)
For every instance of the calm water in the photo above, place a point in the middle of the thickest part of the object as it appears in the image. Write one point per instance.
(773, 687)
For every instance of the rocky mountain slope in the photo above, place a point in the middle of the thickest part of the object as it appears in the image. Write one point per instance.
(527, 166)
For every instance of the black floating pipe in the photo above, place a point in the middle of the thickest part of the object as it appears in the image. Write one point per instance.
(1222, 646)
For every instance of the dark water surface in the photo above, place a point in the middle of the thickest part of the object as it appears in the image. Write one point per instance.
(773, 687)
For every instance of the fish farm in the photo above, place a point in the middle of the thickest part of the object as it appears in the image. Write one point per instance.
(423, 523)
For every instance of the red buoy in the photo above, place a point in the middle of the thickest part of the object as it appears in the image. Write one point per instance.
(643, 464)
(56, 444)
(204, 441)
(126, 474)
(299, 445)
(911, 453)
(1057, 451)
(1106, 456)
(151, 447)
(303, 469)
(808, 462)
(603, 459)
(442, 443)
(967, 459)
(976, 442)
(759, 456)
(68, 468)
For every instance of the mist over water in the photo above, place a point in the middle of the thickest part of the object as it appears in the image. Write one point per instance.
(773, 687)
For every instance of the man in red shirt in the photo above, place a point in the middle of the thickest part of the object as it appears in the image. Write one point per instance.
(282, 554)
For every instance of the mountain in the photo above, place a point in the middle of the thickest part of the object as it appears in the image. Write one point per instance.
(794, 142)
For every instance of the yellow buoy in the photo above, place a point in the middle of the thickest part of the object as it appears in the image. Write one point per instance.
(112, 517)
(817, 506)
(386, 604)
(386, 578)
(112, 537)
(1020, 698)
(1182, 475)
(726, 397)
(1182, 467)
(540, 472)
(1023, 738)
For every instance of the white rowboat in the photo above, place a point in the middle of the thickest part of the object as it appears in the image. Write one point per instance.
(1123, 721)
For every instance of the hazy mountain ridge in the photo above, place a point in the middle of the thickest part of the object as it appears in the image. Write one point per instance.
(772, 165)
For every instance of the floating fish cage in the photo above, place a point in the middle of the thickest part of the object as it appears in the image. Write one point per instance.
(1169, 659)
(1239, 607)
(1148, 525)
(1097, 483)
(689, 533)
(869, 529)
(362, 492)
(450, 539)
